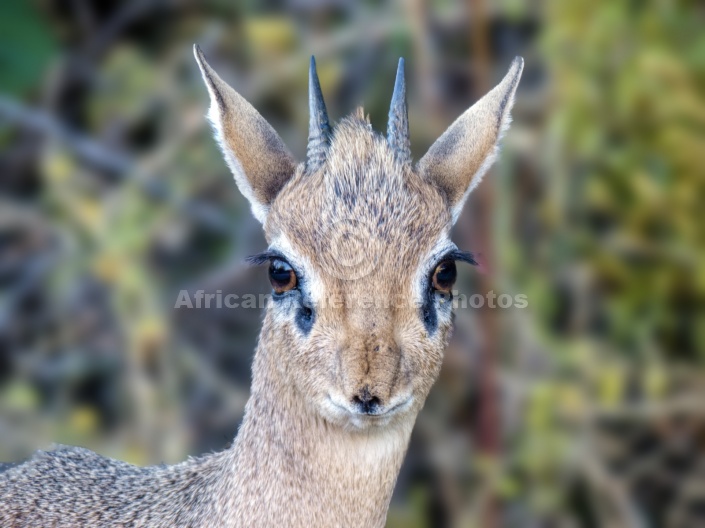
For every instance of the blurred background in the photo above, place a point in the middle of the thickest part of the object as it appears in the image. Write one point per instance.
(585, 409)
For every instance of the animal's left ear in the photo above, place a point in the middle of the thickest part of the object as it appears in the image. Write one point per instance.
(457, 161)
(255, 153)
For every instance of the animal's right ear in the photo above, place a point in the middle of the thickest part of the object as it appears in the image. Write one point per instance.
(255, 153)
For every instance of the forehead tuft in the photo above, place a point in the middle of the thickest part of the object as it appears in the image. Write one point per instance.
(362, 198)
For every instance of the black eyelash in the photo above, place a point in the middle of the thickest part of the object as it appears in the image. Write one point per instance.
(263, 258)
(462, 256)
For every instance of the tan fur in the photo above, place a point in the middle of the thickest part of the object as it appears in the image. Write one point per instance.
(390, 218)
(344, 470)
(256, 155)
(364, 232)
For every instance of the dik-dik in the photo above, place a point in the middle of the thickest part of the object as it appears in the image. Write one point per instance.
(361, 265)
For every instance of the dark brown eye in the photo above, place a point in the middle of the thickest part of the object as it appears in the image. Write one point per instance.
(444, 276)
(282, 276)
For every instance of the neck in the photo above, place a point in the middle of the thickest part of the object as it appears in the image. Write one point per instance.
(292, 468)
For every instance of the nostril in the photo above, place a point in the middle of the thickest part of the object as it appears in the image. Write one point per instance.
(372, 400)
(366, 402)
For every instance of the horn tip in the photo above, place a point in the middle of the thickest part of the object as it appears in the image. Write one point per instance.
(400, 70)
(398, 124)
(399, 84)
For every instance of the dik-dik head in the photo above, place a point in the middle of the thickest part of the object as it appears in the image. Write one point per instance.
(360, 256)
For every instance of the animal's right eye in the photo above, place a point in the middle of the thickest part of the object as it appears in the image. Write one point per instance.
(282, 276)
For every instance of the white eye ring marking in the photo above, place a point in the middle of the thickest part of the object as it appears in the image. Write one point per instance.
(443, 246)
(309, 281)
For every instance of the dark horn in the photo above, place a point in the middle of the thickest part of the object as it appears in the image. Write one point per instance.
(318, 127)
(398, 124)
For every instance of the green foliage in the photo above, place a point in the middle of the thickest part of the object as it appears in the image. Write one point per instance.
(26, 46)
(629, 125)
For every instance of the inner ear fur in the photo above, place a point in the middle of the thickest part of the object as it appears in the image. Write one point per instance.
(254, 152)
(457, 161)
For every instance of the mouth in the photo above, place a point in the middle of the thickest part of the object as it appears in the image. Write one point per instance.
(379, 414)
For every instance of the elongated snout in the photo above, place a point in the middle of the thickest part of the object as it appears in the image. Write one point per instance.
(370, 375)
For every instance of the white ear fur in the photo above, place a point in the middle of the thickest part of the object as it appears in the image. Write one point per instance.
(254, 152)
(458, 160)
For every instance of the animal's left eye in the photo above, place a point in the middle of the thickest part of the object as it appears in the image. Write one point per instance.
(444, 276)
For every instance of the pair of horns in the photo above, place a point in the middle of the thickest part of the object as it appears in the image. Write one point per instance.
(319, 130)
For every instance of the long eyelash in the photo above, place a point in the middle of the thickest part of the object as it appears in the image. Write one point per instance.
(262, 258)
(463, 256)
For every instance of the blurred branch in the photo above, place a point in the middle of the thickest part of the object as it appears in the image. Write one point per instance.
(86, 148)
(104, 158)
(128, 13)
(612, 491)
(691, 404)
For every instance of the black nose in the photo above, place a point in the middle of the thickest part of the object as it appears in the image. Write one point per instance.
(366, 402)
